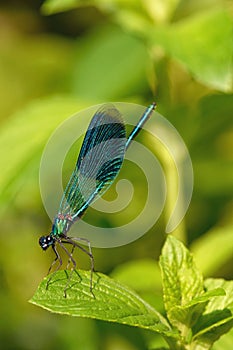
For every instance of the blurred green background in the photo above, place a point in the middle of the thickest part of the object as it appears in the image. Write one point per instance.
(68, 55)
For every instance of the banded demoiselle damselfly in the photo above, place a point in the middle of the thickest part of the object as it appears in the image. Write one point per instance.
(99, 161)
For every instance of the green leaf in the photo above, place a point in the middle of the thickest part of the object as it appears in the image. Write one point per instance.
(220, 303)
(111, 302)
(111, 65)
(23, 137)
(145, 278)
(188, 314)
(182, 281)
(218, 316)
(222, 238)
(203, 44)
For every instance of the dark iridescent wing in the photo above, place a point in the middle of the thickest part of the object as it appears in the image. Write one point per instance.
(99, 161)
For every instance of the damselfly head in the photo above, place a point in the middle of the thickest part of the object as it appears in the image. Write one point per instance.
(46, 241)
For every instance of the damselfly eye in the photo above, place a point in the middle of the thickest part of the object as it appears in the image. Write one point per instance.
(45, 242)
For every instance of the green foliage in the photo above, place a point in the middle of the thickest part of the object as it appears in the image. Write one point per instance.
(111, 301)
(197, 313)
(198, 36)
(39, 118)
(203, 34)
(125, 60)
(91, 51)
